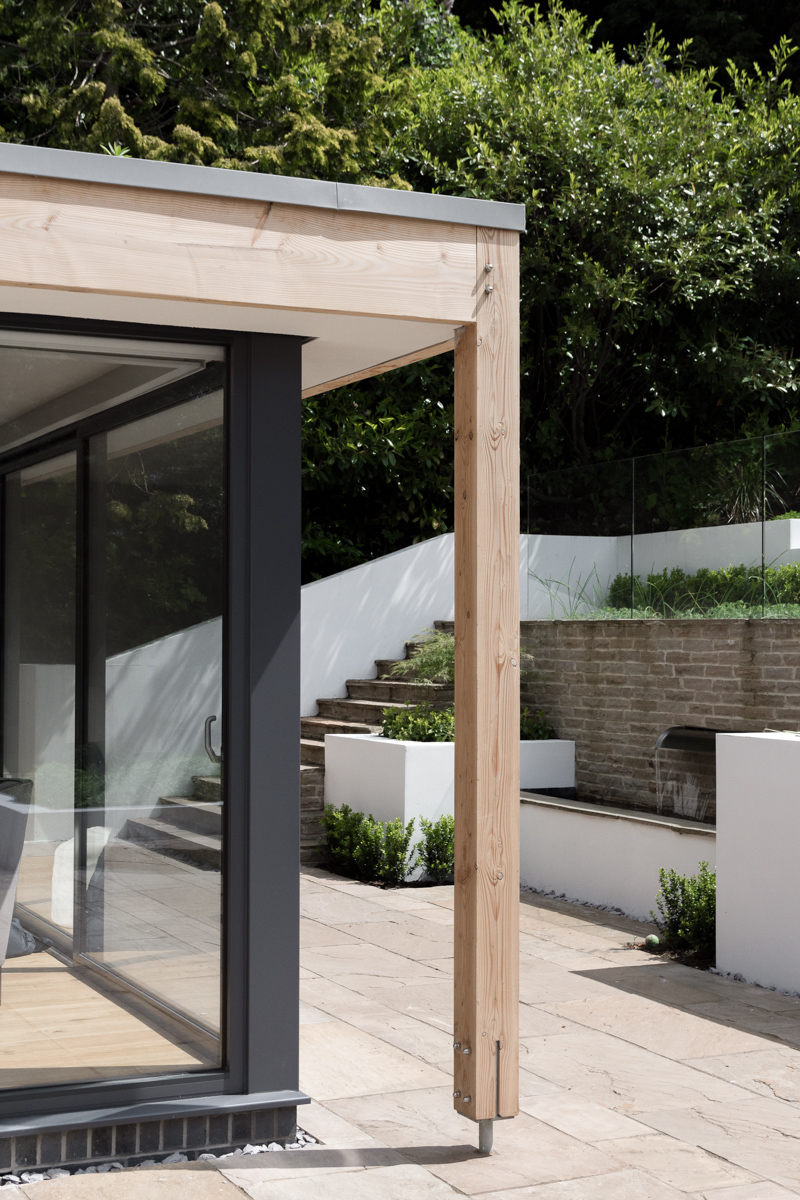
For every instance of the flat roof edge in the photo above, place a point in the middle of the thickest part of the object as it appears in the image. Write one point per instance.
(81, 167)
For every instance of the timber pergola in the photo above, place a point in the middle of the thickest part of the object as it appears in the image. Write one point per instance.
(311, 285)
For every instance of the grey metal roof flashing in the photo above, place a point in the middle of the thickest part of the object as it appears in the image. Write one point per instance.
(247, 185)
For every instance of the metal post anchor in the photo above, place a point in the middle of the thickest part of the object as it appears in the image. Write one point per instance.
(485, 1136)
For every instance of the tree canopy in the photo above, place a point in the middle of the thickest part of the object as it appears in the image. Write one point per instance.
(740, 31)
(661, 265)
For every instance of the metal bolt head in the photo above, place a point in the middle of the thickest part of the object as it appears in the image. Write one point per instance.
(456, 1095)
(466, 1050)
(468, 1099)
(456, 1045)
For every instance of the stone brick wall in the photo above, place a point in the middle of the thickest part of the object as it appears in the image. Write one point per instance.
(614, 686)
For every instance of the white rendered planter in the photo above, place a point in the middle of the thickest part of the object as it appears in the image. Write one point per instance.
(392, 779)
(758, 834)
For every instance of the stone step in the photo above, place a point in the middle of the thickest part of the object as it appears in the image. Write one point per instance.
(186, 813)
(315, 728)
(166, 839)
(400, 690)
(207, 788)
(312, 787)
(368, 712)
(384, 666)
(312, 752)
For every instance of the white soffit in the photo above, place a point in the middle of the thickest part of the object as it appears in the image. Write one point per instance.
(339, 345)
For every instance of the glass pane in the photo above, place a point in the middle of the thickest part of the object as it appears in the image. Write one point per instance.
(579, 522)
(38, 750)
(111, 841)
(697, 549)
(51, 380)
(782, 525)
(151, 797)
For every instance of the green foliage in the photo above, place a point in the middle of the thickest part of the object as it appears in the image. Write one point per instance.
(787, 516)
(436, 850)
(379, 852)
(734, 591)
(377, 466)
(660, 277)
(420, 723)
(433, 659)
(301, 88)
(534, 727)
(687, 907)
(342, 829)
(396, 842)
(363, 848)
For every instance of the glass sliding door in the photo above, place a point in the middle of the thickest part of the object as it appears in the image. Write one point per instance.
(151, 794)
(112, 800)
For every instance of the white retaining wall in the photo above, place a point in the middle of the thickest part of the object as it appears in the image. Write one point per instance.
(350, 619)
(606, 856)
(371, 611)
(758, 819)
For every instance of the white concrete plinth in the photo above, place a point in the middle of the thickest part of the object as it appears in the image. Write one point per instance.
(758, 857)
(606, 855)
(391, 779)
(547, 764)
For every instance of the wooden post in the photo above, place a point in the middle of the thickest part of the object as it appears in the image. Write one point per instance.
(486, 1007)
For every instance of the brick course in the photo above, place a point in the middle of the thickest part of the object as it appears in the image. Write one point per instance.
(614, 686)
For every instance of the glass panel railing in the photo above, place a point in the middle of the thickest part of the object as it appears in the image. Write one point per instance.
(782, 525)
(711, 532)
(579, 526)
(697, 541)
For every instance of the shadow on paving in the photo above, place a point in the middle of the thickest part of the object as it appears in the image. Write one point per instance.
(367, 1156)
(736, 1005)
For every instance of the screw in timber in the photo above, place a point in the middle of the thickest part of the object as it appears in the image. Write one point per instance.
(466, 1050)
(456, 1095)
(456, 1045)
(468, 1099)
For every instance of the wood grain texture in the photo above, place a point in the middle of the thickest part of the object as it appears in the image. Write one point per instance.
(486, 1018)
(391, 365)
(137, 242)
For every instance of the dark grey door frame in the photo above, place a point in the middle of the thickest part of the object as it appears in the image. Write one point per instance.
(262, 735)
(261, 672)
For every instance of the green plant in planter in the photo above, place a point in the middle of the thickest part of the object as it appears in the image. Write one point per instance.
(433, 658)
(436, 852)
(362, 848)
(421, 723)
(534, 727)
(688, 908)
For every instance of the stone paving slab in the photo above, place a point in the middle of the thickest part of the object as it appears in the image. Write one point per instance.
(640, 1079)
(193, 1181)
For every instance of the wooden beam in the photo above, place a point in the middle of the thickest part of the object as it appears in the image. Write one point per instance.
(167, 245)
(486, 1008)
(390, 365)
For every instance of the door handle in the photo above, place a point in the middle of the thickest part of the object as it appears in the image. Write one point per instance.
(215, 758)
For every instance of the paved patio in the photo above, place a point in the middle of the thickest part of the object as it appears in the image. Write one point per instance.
(640, 1080)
